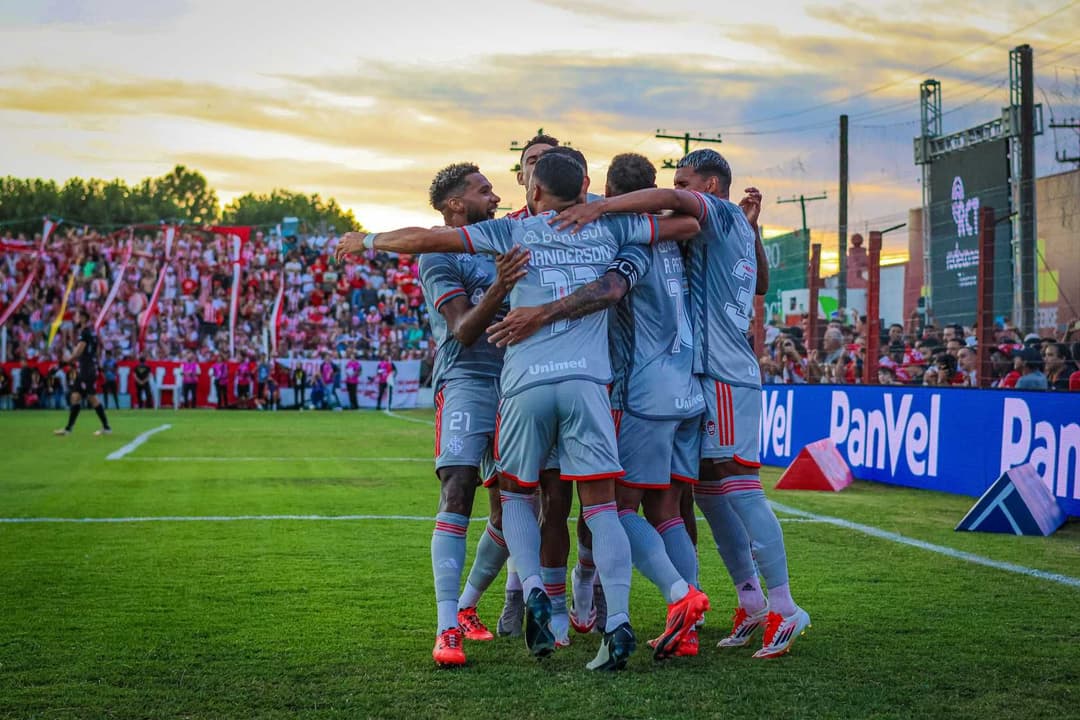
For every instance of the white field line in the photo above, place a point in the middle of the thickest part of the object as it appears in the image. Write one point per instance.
(409, 419)
(922, 545)
(279, 458)
(139, 440)
(263, 518)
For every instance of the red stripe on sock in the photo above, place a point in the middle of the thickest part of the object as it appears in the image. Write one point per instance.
(450, 528)
(500, 541)
(594, 510)
(669, 524)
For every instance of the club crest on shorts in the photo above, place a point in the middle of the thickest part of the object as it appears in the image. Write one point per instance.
(455, 445)
(710, 427)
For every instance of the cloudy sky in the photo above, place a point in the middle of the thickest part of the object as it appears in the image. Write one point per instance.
(364, 101)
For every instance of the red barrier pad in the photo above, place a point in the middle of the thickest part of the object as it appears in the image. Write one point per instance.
(818, 466)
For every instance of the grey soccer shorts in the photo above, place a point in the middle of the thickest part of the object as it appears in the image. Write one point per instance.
(655, 452)
(465, 421)
(576, 413)
(731, 426)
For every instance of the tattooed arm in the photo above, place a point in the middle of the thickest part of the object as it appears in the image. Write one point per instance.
(598, 295)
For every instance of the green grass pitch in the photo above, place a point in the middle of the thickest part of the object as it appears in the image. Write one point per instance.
(277, 618)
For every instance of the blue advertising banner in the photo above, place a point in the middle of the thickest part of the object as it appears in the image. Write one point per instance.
(952, 440)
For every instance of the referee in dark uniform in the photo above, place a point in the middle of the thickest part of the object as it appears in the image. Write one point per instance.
(86, 359)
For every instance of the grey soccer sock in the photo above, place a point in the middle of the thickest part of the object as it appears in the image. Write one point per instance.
(651, 558)
(611, 551)
(522, 533)
(491, 554)
(748, 501)
(732, 540)
(680, 549)
(584, 574)
(447, 561)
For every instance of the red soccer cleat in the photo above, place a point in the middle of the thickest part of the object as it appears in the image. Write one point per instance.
(448, 650)
(471, 625)
(681, 618)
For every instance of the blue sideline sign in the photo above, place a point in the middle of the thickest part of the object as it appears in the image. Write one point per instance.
(953, 440)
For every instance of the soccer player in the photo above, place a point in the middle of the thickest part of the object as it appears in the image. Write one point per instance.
(553, 386)
(657, 404)
(466, 293)
(556, 496)
(534, 148)
(727, 268)
(85, 381)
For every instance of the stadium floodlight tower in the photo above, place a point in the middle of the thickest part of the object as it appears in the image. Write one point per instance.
(930, 115)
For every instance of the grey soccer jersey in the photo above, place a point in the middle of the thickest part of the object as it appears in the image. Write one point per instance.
(652, 341)
(445, 276)
(560, 263)
(722, 269)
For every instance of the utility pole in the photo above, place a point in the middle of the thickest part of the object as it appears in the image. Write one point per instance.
(1061, 156)
(1022, 66)
(842, 287)
(802, 200)
(686, 139)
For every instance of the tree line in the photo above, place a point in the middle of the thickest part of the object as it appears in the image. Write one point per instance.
(181, 195)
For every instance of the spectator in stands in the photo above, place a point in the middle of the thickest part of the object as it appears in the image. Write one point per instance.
(887, 374)
(243, 379)
(54, 388)
(5, 391)
(352, 379)
(1058, 363)
(190, 374)
(793, 366)
(770, 372)
(1030, 365)
(967, 363)
(219, 372)
(110, 384)
(299, 385)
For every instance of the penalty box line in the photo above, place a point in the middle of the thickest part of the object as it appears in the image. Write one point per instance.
(139, 440)
(930, 547)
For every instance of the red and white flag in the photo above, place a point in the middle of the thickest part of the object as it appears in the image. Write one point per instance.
(118, 280)
(275, 314)
(234, 292)
(144, 323)
(24, 289)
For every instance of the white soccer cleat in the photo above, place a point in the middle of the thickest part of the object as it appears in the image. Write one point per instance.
(743, 627)
(103, 431)
(781, 632)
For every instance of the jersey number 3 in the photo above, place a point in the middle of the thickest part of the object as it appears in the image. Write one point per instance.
(739, 311)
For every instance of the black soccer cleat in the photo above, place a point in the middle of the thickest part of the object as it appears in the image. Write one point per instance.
(538, 635)
(616, 647)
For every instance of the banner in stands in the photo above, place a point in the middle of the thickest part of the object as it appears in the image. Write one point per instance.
(951, 440)
(789, 257)
(167, 384)
(962, 182)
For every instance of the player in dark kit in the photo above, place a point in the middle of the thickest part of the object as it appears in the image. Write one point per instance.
(86, 359)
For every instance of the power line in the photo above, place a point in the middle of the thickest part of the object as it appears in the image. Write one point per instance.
(922, 73)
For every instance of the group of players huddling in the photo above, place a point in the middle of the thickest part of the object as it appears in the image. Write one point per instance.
(621, 367)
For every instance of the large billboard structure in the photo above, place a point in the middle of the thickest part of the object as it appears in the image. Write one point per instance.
(961, 183)
(991, 164)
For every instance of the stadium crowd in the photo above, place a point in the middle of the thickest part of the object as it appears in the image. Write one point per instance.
(371, 310)
(921, 355)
